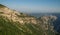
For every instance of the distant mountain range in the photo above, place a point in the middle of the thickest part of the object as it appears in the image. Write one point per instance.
(13, 22)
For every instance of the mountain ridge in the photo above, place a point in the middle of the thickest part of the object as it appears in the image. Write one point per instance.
(23, 24)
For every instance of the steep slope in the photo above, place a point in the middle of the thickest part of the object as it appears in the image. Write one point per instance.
(15, 23)
(16, 16)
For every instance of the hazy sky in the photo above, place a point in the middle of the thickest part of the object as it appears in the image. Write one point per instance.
(33, 6)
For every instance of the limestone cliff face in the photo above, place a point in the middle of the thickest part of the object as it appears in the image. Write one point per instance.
(26, 24)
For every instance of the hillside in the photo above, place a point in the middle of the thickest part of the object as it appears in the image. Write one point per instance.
(13, 22)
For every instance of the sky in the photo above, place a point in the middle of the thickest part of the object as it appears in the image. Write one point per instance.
(33, 6)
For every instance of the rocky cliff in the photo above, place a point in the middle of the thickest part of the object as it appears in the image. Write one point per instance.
(13, 22)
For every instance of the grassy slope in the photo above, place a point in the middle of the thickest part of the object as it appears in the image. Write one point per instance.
(8, 27)
(14, 28)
